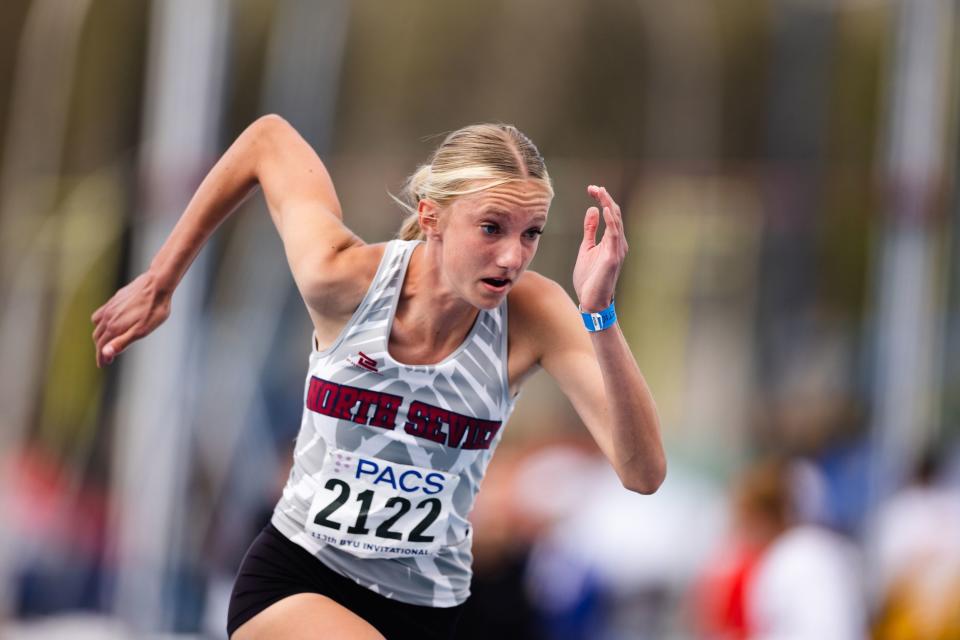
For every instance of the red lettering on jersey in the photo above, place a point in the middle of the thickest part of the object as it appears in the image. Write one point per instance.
(458, 426)
(435, 419)
(345, 401)
(321, 395)
(482, 434)
(417, 418)
(366, 398)
(423, 420)
(426, 421)
(385, 416)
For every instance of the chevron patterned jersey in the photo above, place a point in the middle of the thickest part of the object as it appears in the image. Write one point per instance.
(390, 456)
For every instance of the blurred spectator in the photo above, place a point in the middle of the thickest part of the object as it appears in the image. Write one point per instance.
(55, 528)
(916, 559)
(807, 586)
(552, 483)
(807, 582)
(499, 606)
(780, 575)
(610, 563)
(758, 516)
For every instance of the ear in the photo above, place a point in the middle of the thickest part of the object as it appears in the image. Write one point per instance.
(429, 223)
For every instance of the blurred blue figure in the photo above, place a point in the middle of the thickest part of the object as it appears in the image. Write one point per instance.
(566, 593)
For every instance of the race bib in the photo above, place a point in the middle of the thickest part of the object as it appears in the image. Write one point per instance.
(373, 508)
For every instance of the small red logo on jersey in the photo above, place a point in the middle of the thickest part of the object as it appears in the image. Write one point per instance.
(365, 361)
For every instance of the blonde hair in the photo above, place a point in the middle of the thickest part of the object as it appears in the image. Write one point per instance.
(488, 154)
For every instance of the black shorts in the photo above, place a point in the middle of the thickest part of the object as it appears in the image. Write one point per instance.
(275, 567)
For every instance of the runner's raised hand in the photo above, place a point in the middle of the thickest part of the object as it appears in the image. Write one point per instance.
(598, 263)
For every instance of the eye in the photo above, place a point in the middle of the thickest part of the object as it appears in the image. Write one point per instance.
(533, 234)
(489, 228)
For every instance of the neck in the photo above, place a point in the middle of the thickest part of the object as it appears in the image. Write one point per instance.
(431, 319)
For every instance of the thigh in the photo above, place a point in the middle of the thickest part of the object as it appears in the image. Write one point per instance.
(306, 616)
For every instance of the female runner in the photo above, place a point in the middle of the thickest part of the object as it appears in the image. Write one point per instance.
(420, 347)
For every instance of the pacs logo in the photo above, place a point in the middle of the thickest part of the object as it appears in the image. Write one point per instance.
(408, 481)
(372, 507)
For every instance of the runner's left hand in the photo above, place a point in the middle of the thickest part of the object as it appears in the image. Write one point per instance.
(598, 263)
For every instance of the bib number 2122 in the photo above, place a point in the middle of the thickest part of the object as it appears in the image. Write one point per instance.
(374, 508)
(384, 529)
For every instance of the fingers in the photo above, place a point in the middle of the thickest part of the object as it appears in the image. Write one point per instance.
(590, 223)
(116, 346)
(611, 221)
(98, 343)
(109, 340)
(101, 336)
(105, 330)
(112, 349)
(98, 314)
(602, 196)
(130, 314)
(98, 331)
(612, 216)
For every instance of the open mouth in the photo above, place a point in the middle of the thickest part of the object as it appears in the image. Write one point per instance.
(497, 283)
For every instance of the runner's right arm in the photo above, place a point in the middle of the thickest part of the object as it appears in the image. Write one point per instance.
(303, 205)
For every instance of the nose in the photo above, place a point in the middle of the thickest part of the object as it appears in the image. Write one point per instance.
(510, 255)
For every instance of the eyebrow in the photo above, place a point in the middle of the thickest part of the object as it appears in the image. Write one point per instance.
(499, 213)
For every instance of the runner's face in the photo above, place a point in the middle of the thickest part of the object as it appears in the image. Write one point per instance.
(489, 238)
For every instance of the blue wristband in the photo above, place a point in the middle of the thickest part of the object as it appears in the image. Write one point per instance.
(600, 320)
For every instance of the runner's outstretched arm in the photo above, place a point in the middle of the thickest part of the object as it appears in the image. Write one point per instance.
(303, 205)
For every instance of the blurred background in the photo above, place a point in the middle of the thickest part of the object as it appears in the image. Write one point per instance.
(788, 174)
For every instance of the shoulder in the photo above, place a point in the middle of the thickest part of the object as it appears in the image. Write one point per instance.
(540, 313)
(535, 295)
(345, 279)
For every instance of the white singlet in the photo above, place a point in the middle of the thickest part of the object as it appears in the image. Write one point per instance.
(390, 456)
